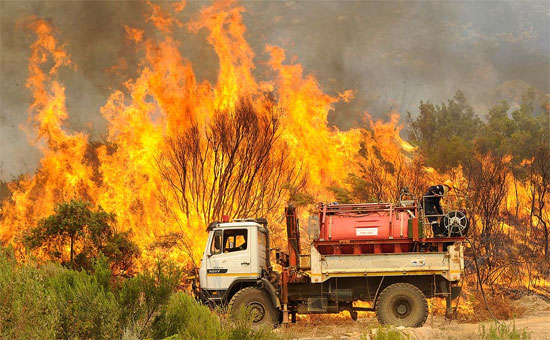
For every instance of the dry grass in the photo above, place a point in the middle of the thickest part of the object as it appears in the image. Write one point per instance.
(500, 305)
(337, 326)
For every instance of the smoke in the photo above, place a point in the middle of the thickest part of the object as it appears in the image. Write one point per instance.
(391, 54)
(394, 54)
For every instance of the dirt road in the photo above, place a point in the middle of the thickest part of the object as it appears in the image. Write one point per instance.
(536, 323)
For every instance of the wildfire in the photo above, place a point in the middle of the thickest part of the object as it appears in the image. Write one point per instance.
(122, 175)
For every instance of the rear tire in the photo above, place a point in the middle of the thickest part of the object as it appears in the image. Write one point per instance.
(257, 304)
(402, 304)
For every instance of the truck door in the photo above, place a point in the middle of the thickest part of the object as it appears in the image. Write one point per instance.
(229, 258)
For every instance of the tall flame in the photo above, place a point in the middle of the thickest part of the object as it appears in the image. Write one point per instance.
(121, 174)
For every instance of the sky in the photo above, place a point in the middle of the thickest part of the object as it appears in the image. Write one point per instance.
(392, 54)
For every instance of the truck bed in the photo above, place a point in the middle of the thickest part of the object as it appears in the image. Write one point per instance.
(447, 264)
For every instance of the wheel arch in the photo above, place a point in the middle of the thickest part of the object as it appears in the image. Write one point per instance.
(425, 283)
(236, 286)
(265, 284)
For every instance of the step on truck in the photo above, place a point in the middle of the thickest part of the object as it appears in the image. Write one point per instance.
(378, 253)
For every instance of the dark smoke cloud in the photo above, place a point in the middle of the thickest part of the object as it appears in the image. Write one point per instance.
(392, 54)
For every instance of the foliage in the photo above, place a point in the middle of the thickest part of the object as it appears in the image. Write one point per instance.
(445, 133)
(502, 331)
(502, 157)
(142, 297)
(240, 327)
(27, 310)
(87, 234)
(53, 302)
(87, 310)
(185, 317)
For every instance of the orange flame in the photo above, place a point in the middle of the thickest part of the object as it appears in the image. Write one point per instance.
(121, 175)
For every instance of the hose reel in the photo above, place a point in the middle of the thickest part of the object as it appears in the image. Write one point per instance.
(455, 224)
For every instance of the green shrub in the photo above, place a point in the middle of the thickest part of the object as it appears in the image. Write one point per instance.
(502, 331)
(241, 327)
(87, 310)
(53, 302)
(142, 297)
(27, 310)
(187, 318)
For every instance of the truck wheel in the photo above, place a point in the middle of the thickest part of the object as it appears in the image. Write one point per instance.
(402, 304)
(258, 305)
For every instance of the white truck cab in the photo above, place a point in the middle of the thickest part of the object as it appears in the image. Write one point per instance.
(235, 252)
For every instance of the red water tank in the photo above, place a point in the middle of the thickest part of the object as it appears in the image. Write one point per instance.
(349, 224)
(369, 221)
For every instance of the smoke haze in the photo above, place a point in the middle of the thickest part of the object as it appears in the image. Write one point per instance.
(391, 54)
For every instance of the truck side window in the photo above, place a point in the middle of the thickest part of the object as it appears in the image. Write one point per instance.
(216, 246)
(235, 240)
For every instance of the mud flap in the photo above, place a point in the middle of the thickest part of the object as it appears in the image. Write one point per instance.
(265, 284)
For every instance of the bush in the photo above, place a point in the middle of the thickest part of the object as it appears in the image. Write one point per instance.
(187, 318)
(27, 309)
(53, 302)
(76, 236)
(87, 309)
(241, 327)
(501, 306)
(141, 298)
(502, 331)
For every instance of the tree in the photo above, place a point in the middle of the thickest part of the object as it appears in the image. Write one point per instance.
(234, 165)
(524, 135)
(84, 234)
(445, 133)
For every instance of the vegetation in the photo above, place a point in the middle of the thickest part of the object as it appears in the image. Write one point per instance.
(502, 331)
(85, 235)
(53, 302)
(445, 133)
(501, 166)
(240, 152)
(511, 146)
(386, 333)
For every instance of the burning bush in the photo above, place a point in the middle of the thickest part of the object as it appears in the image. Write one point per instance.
(234, 165)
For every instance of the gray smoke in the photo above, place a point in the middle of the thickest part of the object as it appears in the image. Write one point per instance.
(392, 54)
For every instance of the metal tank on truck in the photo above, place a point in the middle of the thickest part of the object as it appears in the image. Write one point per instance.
(373, 252)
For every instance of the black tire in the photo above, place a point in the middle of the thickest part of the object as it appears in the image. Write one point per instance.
(402, 304)
(258, 305)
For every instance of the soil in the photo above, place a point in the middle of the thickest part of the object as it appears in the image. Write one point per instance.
(536, 320)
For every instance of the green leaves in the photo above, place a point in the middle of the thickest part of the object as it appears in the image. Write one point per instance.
(76, 235)
(445, 133)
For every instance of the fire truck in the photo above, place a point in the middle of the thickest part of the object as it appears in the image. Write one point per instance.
(378, 253)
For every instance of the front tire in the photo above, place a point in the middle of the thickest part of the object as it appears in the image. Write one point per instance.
(402, 304)
(257, 304)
